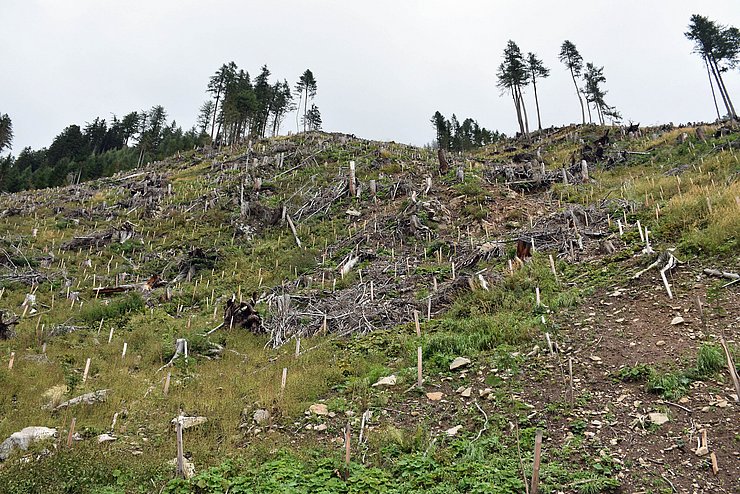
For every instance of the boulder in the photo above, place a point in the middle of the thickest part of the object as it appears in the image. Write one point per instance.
(23, 439)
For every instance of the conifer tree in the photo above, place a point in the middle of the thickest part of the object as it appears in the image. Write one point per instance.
(536, 70)
(305, 88)
(574, 63)
(6, 131)
(719, 47)
(512, 76)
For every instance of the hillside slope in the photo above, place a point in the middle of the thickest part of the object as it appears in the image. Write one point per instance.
(117, 270)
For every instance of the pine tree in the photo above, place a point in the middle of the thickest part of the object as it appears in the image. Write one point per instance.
(512, 76)
(305, 88)
(217, 86)
(719, 47)
(536, 69)
(574, 62)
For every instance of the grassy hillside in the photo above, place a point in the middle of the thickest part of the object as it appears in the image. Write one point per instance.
(217, 225)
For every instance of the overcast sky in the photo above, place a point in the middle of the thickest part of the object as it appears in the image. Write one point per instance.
(383, 66)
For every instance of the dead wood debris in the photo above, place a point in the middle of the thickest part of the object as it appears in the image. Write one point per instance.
(6, 325)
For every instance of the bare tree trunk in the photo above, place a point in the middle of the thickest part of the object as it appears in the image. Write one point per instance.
(305, 110)
(518, 110)
(711, 85)
(537, 103)
(721, 88)
(298, 112)
(215, 112)
(578, 92)
(731, 107)
(524, 110)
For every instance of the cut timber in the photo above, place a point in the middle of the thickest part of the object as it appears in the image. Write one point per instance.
(293, 230)
(352, 181)
(731, 368)
(150, 284)
(723, 274)
(670, 262)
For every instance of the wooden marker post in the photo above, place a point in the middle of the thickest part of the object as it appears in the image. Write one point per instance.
(110, 335)
(536, 466)
(347, 450)
(125, 347)
(537, 296)
(283, 380)
(167, 383)
(71, 434)
(297, 347)
(416, 323)
(87, 369)
(180, 458)
(12, 359)
(418, 367)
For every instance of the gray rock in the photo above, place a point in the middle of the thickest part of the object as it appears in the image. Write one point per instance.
(261, 416)
(88, 399)
(459, 362)
(23, 439)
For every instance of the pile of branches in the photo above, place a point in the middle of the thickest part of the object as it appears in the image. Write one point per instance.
(99, 239)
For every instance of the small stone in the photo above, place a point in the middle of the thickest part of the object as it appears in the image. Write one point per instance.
(465, 393)
(459, 362)
(261, 416)
(683, 399)
(595, 358)
(331, 415)
(104, 438)
(386, 381)
(677, 320)
(484, 392)
(188, 422)
(320, 428)
(452, 431)
(309, 427)
(319, 409)
(658, 418)
(435, 395)
(660, 343)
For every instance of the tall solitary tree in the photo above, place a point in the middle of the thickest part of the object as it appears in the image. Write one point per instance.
(574, 63)
(512, 76)
(305, 88)
(719, 47)
(536, 69)
(6, 131)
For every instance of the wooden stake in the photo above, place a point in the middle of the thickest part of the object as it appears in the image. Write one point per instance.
(536, 466)
(70, 436)
(715, 467)
(570, 379)
(110, 335)
(416, 323)
(12, 359)
(297, 347)
(418, 367)
(113, 423)
(180, 458)
(284, 380)
(87, 369)
(125, 346)
(347, 450)
(167, 383)
(537, 296)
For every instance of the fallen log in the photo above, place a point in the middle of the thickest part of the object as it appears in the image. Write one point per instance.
(147, 286)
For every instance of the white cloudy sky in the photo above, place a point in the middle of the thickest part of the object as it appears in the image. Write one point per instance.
(383, 66)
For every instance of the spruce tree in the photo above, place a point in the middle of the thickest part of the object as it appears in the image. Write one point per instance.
(574, 63)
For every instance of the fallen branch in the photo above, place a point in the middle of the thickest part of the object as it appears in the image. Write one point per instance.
(731, 368)
(485, 425)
